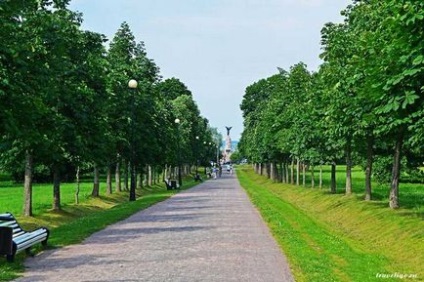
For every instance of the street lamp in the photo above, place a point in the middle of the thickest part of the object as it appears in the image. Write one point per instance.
(132, 85)
(197, 153)
(180, 181)
(217, 151)
(210, 155)
(205, 154)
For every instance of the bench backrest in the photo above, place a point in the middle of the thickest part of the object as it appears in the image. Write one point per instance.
(8, 220)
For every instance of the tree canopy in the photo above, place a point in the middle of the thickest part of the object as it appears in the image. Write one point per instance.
(66, 101)
(364, 103)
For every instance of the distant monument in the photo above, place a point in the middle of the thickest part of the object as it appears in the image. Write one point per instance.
(228, 149)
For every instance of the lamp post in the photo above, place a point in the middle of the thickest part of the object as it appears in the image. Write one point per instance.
(132, 85)
(197, 153)
(209, 153)
(217, 152)
(180, 181)
(205, 154)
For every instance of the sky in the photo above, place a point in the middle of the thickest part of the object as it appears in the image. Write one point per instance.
(217, 48)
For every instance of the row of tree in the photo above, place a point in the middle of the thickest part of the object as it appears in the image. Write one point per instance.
(66, 106)
(364, 105)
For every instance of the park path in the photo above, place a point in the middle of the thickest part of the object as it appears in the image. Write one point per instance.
(208, 233)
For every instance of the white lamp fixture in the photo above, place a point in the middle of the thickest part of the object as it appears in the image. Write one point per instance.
(132, 83)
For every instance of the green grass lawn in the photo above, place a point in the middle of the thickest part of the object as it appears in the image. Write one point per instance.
(74, 222)
(332, 237)
(411, 194)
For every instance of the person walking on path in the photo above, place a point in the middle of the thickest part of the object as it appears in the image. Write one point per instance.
(214, 172)
(208, 233)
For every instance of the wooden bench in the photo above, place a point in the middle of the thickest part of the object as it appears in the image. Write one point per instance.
(197, 177)
(13, 239)
(171, 184)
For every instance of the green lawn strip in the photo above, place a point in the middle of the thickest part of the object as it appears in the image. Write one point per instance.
(11, 197)
(317, 249)
(312, 249)
(74, 223)
(411, 194)
(372, 226)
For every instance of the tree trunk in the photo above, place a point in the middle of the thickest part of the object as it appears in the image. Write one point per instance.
(349, 167)
(320, 176)
(133, 180)
(394, 189)
(126, 176)
(312, 176)
(28, 183)
(268, 170)
(56, 187)
(292, 172)
(140, 181)
(156, 175)
(303, 174)
(273, 169)
(297, 172)
(333, 188)
(159, 175)
(118, 177)
(287, 172)
(150, 176)
(77, 190)
(165, 173)
(109, 180)
(368, 169)
(96, 185)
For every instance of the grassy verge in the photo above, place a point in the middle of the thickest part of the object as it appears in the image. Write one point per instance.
(76, 222)
(338, 238)
(411, 194)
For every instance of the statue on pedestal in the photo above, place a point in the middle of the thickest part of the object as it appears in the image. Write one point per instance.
(227, 151)
(228, 130)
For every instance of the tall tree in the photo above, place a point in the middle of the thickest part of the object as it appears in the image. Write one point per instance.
(394, 66)
(39, 59)
(343, 108)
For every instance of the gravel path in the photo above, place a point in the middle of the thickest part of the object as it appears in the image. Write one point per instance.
(208, 233)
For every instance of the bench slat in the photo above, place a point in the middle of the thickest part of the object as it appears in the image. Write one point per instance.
(30, 242)
(25, 236)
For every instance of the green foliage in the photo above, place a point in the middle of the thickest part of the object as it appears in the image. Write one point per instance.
(367, 96)
(172, 88)
(69, 104)
(383, 169)
(236, 157)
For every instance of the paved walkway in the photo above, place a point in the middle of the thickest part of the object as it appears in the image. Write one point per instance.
(208, 233)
